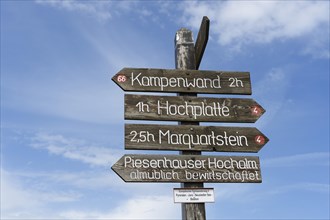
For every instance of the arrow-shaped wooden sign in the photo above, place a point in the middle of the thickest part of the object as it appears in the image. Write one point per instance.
(192, 138)
(197, 81)
(188, 108)
(188, 168)
(201, 41)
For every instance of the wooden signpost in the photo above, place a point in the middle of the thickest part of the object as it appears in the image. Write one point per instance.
(192, 138)
(190, 168)
(188, 108)
(185, 58)
(200, 81)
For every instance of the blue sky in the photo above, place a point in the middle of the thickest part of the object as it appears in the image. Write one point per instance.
(62, 118)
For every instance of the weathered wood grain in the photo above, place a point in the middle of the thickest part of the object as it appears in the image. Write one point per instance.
(185, 59)
(185, 81)
(188, 108)
(201, 41)
(188, 168)
(192, 138)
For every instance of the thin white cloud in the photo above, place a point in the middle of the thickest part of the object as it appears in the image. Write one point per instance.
(14, 195)
(233, 23)
(83, 101)
(241, 193)
(107, 10)
(238, 23)
(75, 149)
(309, 187)
(149, 207)
(232, 192)
(99, 9)
(102, 10)
(21, 201)
(87, 180)
(259, 194)
(318, 45)
(275, 98)
(308, 159)
(40, 195)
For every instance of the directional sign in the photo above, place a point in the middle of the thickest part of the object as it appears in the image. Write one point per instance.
(190, 137)
(202, 38)
(188, 108)
(197, 81)
(188, 168)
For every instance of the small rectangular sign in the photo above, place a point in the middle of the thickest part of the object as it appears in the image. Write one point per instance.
(193, 195)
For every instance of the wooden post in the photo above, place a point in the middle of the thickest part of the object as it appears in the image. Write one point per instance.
(185, 59)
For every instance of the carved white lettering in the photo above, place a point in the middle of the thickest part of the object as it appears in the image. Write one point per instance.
(193, 110)
(211, 139)
(164, 82)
